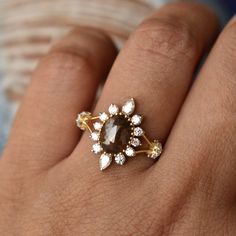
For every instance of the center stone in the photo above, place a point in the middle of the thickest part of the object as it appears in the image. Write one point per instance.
(115, 134)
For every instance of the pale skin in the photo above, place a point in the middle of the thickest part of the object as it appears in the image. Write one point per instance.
(50, 182)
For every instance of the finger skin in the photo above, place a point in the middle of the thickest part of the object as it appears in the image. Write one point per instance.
(156, 67)
(131, 205)
(201, 149)
(64, 83)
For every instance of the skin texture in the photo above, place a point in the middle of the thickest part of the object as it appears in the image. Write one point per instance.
(50, 183)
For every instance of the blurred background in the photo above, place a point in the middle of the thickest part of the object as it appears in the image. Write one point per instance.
(29, 27)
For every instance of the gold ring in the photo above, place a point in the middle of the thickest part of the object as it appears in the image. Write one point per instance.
(117, 134)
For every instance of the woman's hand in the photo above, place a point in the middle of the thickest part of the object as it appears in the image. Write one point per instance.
(50, 183)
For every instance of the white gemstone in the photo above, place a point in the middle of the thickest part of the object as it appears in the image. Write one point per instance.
(81, 117)
(120, 159)
(103, 116)
(97, 125)
(95, 136)
(130, 152)
(129, 107)
(104, 161)
(138, 131)
(97, 148)
(136, 119)
(135, 142)
(113, 109)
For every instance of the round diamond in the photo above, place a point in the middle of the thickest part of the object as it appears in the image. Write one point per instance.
(138, 131)
(97, 125)
(130, 152)
(135, 142)
(97, 148)
(136, 119)
(103, 116)
(113, 109)
(81, 118)
(120, 159)
(95, 136)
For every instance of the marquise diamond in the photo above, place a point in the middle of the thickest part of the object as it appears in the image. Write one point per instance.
(129, 107)
(113, 109)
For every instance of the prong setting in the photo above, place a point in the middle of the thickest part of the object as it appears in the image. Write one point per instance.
(105, 160)
(97, 148)
(103, 116)
(138, 131)
(117, 134)
(113, 109)
(97, 125)
(136, 119)
(130, 152)
(82, 119)
(94, 136)
(129, 107)
(135, 142)
(120, 158)
(155, 149)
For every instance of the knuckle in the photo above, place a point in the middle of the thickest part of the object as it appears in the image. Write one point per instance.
(63, 68)
(169, 38)
(64, 60)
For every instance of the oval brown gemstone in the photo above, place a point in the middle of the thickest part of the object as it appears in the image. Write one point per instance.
(115, 134)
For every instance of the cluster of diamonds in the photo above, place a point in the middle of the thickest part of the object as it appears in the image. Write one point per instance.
(120, 158)
(134, 120)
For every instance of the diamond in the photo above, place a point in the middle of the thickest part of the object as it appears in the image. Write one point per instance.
(155, 149)
(113, 109)
(136, 119)
(120, 159)
(115, 134)
(103, 116)
(130, 152)
(129, 107)
(104, 161)
(82, 118)
(135, 142)
(94, 136)
(138, 131)
(97, 148)
(97, 125)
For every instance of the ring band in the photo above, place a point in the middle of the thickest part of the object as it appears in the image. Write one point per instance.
(117, 134)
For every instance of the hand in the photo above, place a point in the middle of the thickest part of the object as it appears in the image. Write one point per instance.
(50, 183)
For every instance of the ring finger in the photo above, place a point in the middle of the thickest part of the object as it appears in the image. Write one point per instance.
(156, 67)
